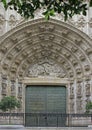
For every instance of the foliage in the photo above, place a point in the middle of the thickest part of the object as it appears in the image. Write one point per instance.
(9, 103)
(27, 8)
(88, 106)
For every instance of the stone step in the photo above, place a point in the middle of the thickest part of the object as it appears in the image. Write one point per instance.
(18, 127)
(58, 128)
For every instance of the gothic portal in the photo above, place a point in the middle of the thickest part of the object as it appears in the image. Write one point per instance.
(39, 52)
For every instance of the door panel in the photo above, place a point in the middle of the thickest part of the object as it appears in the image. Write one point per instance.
(44, 103)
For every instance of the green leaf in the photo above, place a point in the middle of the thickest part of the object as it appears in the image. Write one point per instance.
(90, 3)
(4, 3)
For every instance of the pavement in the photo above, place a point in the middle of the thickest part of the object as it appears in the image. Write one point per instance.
(45, 128)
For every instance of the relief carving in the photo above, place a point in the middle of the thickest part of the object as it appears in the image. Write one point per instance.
(74, 62)
(87, 67)
(81, 23)
(47, 28)
(20, 90)
(5, 66)
(71, 91)
(3, 49)
(46, 68)
(2, 22)
(78, 70)
(82, 57)
(9, 56)
(72, 106)
(29, 41)
(90, 22)
(24, 66)
(79, 90)
(78, 41)
(17, 61)
(13, 69)
(88, 51)
(14, 40)
(71, 74)
(4, 86)
(24, 54)
(46, 37)
(13, 88)
(87, 87)
(20, 73)
(28, 32)
(63, 42)
(65, 32)
(79, 105)
(18, 48)
(74, 49)
(12, 20)
(67, 55)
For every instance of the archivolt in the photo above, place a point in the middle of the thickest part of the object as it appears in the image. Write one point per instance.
(36, 40)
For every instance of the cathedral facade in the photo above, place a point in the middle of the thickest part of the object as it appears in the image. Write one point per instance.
(36, 53)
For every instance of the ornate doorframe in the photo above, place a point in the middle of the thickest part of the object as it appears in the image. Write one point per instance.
(47, 81)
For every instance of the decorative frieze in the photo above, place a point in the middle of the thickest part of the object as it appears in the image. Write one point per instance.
(46, 28)
(46, 37)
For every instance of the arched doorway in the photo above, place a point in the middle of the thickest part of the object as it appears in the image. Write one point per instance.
(51, 48)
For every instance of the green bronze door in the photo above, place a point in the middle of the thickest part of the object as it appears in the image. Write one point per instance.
(44, 105)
